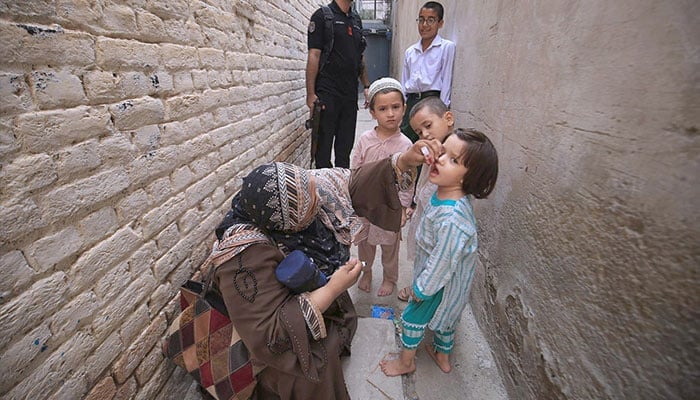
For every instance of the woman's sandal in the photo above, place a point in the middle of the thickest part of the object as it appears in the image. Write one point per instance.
(404, 294)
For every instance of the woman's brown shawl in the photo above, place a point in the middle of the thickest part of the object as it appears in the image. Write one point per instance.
(268, 316)
(375, 195)
(269, 320)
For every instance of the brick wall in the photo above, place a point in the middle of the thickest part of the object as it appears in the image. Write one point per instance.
(124, 129)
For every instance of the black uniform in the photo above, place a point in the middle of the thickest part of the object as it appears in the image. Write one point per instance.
(336, 84)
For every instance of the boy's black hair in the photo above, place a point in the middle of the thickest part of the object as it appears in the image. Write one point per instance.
(481, 161)
(432, 103)
(434, 5)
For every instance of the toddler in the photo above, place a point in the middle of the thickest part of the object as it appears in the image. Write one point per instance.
(446, 249)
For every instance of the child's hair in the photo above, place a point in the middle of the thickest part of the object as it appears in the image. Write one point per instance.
(434, 5)
(384, 86)
(481, 161)
(432, 103)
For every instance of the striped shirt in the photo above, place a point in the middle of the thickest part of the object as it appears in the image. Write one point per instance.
(446, 244)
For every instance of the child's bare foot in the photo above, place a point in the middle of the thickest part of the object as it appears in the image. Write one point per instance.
(386, 289)
(441, 359)
(365, 282)
(396, 367)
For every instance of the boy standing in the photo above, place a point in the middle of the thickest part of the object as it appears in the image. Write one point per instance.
(386, 104)
(427, 67)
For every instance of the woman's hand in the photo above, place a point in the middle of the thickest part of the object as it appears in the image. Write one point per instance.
(414, 156)
(342, 279)
(347, 275)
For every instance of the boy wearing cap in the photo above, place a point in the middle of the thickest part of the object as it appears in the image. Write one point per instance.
(428, 64)
(387, 106)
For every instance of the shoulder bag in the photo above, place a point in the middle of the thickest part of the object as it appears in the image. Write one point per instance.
(204, 342)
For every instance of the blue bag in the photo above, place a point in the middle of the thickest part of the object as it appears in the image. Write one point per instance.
(299, 273)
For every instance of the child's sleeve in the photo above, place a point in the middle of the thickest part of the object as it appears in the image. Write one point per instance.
(406, 198)
(453, 246)
(358, 151)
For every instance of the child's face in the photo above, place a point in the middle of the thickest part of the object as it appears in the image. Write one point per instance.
(429, 28)
(388, 110)
(429, 125)
(448, 170)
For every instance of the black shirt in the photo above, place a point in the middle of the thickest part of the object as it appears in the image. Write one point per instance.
(339, 76)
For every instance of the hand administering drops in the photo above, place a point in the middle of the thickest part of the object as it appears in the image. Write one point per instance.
(430, 149)
(426, 154)
(416, 155)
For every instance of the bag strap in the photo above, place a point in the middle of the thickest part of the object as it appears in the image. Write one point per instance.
(206, 281)
(330, 36)
(357, 21)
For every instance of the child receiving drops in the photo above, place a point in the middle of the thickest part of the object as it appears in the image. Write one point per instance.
(446, 248)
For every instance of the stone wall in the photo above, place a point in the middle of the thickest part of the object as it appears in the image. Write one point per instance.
(588, 283)
(124, 129)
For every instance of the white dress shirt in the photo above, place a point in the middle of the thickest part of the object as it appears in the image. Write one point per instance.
(430, 69)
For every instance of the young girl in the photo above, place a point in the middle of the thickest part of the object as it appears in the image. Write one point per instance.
(446, 248)
(386, 105)
(430, 119)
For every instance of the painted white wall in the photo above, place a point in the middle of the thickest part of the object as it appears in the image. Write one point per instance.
(589, 244)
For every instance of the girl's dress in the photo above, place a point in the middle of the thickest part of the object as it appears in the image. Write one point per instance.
(446, 255)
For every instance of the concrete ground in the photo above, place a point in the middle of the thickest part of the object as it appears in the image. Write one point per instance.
(474, 375)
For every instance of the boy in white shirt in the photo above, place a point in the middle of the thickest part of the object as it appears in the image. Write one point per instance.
(428, 64)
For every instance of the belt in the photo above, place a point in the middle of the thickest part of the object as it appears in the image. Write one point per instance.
(423, 95)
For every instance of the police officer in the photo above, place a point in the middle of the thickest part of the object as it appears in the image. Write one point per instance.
(333, 68)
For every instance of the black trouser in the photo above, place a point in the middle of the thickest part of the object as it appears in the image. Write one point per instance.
(411, 100)
(338, 121)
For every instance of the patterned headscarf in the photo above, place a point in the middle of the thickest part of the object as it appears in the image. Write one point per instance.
(278, 197)
(299, 212)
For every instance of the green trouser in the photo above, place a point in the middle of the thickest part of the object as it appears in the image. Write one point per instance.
(415, 319)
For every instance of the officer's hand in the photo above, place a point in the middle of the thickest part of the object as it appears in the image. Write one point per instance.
(310, 99)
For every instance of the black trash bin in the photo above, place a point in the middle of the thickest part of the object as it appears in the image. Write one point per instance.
(378, 52)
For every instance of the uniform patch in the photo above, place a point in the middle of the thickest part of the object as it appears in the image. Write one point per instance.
(312, 26)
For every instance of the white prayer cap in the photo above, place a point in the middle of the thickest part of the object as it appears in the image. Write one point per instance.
(383, 83)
